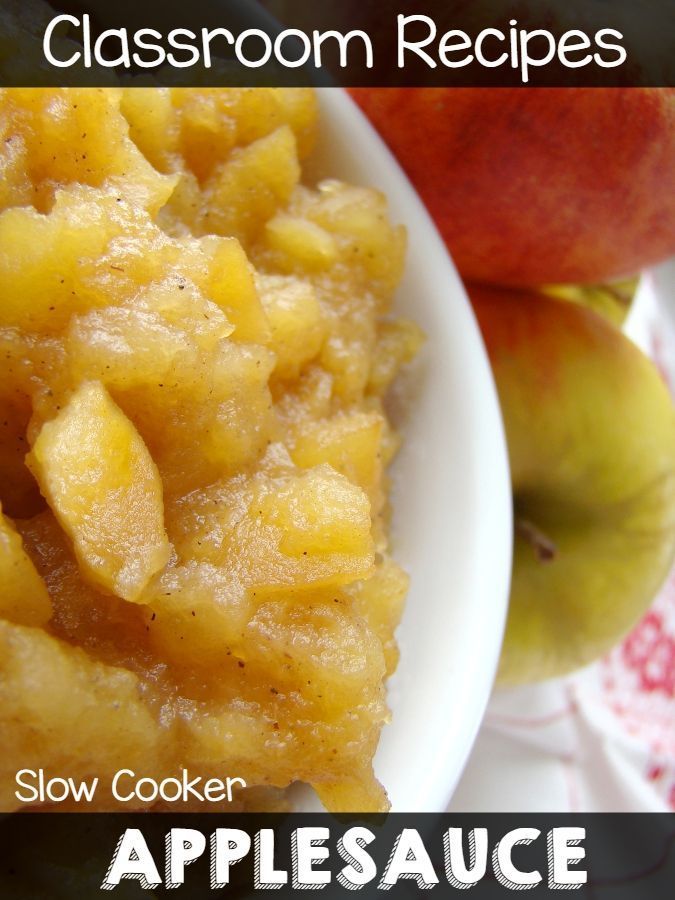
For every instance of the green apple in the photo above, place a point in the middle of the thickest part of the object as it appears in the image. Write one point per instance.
(590, 428)
(612, 300)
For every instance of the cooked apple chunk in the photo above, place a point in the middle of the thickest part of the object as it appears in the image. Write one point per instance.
(98, 477)
(66, 711)
(23, 595)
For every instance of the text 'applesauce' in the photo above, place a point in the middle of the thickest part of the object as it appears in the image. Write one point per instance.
(194, 352)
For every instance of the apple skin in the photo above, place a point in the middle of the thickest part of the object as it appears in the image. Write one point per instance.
(539, 185)
(590, 428)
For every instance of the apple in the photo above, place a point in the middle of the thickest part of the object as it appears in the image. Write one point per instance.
(537, 186)
(590, 428)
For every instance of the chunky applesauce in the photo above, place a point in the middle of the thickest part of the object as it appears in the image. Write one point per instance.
(194, 353)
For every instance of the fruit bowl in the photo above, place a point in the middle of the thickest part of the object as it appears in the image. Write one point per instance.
(452, 522)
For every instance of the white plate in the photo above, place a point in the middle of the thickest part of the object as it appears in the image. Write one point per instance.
(452, 496)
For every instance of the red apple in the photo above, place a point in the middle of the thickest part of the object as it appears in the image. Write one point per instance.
(538, 185)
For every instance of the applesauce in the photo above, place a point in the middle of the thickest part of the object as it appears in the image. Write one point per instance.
(195, 348)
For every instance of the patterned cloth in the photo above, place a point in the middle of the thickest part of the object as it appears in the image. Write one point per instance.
(602, 739)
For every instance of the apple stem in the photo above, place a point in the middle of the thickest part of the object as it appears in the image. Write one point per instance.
(544, 548)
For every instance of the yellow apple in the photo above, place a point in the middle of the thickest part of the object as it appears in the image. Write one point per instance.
(590, 428)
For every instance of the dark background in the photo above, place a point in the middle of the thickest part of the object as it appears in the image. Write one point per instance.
(648, 28)
(54, 855)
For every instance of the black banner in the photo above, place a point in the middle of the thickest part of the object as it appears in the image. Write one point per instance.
(350, 43)
(618, 857)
